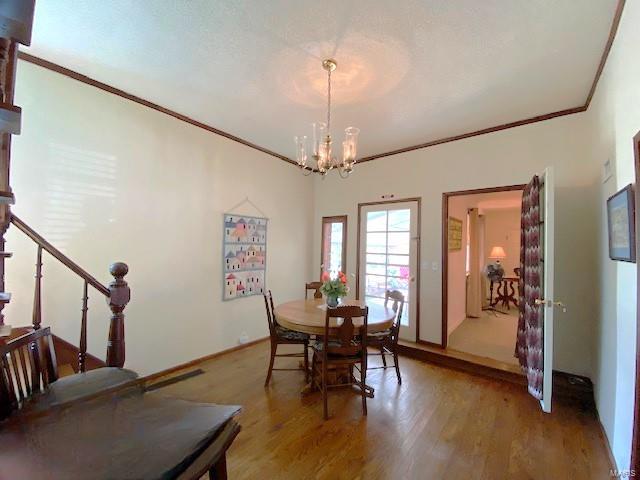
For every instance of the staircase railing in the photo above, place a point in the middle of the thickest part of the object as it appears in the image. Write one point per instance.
(117, 295)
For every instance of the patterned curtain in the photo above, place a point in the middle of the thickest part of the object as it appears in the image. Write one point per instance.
(531, 320)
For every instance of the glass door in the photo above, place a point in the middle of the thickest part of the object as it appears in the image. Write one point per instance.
(389, 257)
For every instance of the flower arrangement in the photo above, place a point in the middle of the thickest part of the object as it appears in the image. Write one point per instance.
(334, 288)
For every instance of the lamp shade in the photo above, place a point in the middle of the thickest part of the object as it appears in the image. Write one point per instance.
(497, 252)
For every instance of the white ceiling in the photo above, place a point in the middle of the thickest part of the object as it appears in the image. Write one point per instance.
(409, 71)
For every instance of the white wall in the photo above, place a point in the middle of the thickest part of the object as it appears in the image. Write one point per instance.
(614, 118)
(106, 179)
(502, 158)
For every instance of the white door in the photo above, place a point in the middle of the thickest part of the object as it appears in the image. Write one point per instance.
(389, 241)
(547, 234)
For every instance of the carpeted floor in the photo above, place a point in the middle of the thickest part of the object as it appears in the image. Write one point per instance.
(488, 336)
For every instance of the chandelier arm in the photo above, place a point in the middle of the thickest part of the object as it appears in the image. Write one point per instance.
(305, 169)
(346, 175)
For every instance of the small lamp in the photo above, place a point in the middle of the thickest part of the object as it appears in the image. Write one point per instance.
(497, 253)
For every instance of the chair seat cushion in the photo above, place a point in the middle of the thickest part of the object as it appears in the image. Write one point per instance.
(382, 334)
(292, 335)
(80, 385)
(334, 349)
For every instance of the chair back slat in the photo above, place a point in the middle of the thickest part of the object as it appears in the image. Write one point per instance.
(342, 343)
(398, 306)
(271, 319)
(27, 366)
(315, 286)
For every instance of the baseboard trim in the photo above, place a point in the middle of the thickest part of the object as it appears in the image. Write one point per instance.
(192, 363)
(605, 439)
(67, 353)
(565, 385)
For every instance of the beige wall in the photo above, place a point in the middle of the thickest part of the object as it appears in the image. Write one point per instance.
(457, 275)
(614, 118)
(502, 158)
(502, 227)
(106, 179)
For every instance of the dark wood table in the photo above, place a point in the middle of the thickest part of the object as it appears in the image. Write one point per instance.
(127, 436)
(506, 292)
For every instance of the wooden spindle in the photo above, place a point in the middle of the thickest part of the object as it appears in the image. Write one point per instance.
(37, 295)
(120, 294)
(82, 353)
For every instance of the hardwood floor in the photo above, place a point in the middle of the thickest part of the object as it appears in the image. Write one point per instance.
(440, 424)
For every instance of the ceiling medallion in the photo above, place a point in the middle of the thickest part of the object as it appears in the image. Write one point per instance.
(322, 154)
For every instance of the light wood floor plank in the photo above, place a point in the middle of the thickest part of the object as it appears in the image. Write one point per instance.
(439, 424)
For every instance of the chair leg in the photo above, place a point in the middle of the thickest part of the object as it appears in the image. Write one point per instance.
(384, 359)
(395, 361)
(363, 379)
(306, 362)
(274, 347)
(219, 470)
(325, 400)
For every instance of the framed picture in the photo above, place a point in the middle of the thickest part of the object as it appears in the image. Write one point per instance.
(622, 229)
(455, 234)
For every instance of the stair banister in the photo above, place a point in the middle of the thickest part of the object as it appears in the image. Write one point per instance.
(117, 295)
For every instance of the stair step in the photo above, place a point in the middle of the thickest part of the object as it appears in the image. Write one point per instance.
(10, 118)
(5, 297)
(65, 370)
(7, 198)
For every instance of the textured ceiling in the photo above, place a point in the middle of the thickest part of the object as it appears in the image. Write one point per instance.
(409, 71)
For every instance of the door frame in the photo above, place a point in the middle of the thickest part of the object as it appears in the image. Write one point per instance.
(418, 200)
(335, 219)
(635, 439)
(445, 250)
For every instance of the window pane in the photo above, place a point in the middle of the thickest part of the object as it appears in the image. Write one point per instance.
(401, 284)
(375, 269)
(375, 286)
(332, 246)
(398, 271)
(375, 258)
(399, 220)
(377, 221)
(376, 242)
(398, 259)
(399, 242)
(404, 320)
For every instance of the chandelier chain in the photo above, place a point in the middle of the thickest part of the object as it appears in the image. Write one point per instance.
(329, 103)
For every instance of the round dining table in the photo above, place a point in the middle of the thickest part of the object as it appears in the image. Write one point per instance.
(308, 316)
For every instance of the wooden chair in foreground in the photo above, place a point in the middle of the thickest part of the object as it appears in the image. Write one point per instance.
(341, 347)
(283, 336)
(313, 286)
(387, 341)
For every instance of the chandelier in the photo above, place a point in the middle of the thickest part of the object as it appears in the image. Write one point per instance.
(322, 153)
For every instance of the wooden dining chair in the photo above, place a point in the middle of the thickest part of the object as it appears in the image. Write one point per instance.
(313, 286)
(343, 349)
(283, 336)
(387, 341)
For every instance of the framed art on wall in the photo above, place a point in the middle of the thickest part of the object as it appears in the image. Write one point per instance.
(244, 256)
(455, 234)
(622, 229)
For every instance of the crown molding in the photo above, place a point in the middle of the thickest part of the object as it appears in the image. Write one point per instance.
(539, 118)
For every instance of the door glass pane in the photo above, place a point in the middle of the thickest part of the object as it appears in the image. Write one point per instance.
(376, 243)
(400, 284)
(404, 320)
(397, 259)
(371, 258)
(377, 221)
(398, 271)
(399, 242)
(376, 285)
(375, 269)
(399, 220)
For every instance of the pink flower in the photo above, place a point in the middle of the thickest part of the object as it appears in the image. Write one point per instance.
(325, 277)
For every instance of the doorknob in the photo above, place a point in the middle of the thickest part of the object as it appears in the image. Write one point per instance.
(551, 303)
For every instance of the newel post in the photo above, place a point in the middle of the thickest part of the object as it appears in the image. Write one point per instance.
(117, 301)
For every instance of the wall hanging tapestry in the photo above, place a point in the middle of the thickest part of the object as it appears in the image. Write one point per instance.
(531, 319)
(244, 256)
